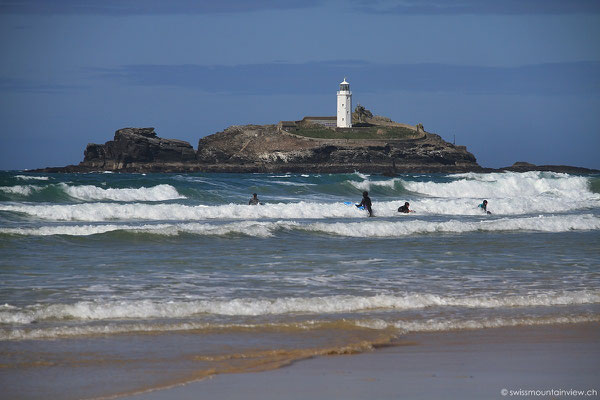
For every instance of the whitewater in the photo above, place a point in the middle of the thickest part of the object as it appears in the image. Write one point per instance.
(103, 258)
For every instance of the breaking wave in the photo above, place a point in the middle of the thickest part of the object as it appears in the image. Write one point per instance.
(397, 229)
(404, 326)
(144, 309)
(91, 193)
(181, 212)
(441, 325)
(349, 229)
(53, 192)
(21, 190)
(512, 185)
(506, 184)
(32, 177)
(97, 212)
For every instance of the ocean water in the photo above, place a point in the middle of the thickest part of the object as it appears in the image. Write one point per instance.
(122, 283)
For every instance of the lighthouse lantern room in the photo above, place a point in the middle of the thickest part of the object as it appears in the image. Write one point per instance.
(344, 106)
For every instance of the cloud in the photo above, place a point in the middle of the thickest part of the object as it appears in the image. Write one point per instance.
(17, 85)
(323, 77)
(406, 7)
(146, 7)
(458, 7)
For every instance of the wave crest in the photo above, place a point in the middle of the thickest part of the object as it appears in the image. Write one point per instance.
(161, 192)
(506, 184)
(380, 229)
(143, 309)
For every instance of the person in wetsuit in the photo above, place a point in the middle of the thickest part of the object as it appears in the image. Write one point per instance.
(483, 207)
(366, 203)
(404, 208)
(254, 200)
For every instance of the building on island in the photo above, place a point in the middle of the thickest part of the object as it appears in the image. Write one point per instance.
(287, 125)
(344, 106)
(330, 122)
(342, 120)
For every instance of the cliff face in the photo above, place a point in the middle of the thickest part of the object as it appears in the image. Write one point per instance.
(254, 145)
(265, 148)
(133, 146)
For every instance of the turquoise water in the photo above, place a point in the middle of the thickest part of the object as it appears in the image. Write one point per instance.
(178, 271)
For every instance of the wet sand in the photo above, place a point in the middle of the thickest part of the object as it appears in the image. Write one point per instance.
(474, 364)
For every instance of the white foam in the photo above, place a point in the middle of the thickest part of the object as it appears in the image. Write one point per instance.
(85, 330)
(428, 325)
(506, 185)
(23, 190)
(442, 325)
(70, 230)
(300, 210)
(286, 183)
(251, 228)
(30, 177)
(398, 229)
(508, 193)
(368, 184)
(143, 309)
(381, 229)
(90, 193)
(478, 185)
(505, 206)
(157, 212)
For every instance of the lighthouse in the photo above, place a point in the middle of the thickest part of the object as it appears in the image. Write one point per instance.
(344, 106)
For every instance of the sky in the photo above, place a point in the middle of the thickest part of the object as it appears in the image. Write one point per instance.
(513, 80)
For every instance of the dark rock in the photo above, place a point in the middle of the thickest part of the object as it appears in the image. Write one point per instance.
(267, 148)
(134, 146)
(521, 166)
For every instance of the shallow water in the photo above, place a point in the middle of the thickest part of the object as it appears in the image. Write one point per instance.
(115, 277)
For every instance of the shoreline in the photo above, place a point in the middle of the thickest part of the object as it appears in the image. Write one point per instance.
(383, 169)
(469, 364)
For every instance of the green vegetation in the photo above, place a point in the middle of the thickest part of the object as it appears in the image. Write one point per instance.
(370, 132)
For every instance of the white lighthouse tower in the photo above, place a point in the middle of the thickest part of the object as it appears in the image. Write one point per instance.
(344, 106)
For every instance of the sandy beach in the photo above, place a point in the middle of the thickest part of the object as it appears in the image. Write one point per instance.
(472, 364)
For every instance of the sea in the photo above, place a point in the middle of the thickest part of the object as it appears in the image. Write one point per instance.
(114, 284)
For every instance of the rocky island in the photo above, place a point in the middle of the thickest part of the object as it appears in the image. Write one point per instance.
(374, 144)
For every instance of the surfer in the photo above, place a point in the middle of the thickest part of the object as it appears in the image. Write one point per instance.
(254, 200)
(366, 203)
(483, 207)
(404, 208)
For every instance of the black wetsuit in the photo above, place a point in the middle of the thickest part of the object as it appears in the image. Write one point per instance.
(403, 209)
(253, 201)
(366, 203)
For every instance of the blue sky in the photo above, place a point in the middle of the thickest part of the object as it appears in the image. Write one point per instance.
(512, 80)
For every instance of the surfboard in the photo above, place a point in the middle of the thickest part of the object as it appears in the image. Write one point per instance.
(349, 203)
